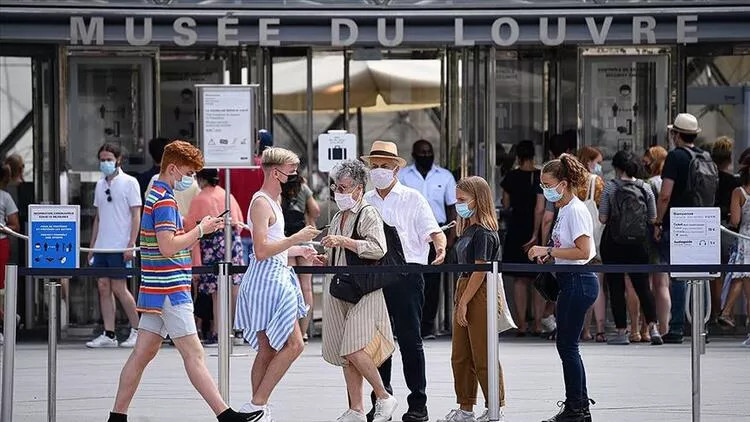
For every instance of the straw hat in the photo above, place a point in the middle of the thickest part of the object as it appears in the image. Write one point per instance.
(384, 149)
(685, 123)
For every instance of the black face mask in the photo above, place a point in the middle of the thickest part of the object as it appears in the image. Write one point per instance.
(424, 161)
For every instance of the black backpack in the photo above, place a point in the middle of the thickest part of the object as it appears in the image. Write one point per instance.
(628, 222)
(702, 180)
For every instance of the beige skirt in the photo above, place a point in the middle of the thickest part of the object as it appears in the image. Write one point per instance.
(349, 327)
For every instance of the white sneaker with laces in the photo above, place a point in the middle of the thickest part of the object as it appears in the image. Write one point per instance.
(549, 324)
(458, 415)
(485, 417)
(352, 416)
(746, 343)
(132, 338)
(102, 342)
(384, 409)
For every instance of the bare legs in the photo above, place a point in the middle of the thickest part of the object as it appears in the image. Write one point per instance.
(108, 289)
(144, 352)
(520, 298)
(738, 285)
(660, 287)
(271, 365)
(361, 366)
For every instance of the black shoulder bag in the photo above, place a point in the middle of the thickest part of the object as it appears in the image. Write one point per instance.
(352, 287)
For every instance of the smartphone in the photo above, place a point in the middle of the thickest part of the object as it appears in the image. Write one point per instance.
(222, 214)
(324, 227)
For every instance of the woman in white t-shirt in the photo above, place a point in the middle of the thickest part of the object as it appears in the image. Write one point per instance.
(573, 244)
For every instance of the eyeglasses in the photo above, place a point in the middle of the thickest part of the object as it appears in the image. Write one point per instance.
(342, 189)
(109, 195)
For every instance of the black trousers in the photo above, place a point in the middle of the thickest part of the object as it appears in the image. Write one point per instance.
(431, 297)
(618, 254)
(404, 301)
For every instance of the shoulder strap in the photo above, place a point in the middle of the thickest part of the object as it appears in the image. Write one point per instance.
(592, 187)
(744, 193)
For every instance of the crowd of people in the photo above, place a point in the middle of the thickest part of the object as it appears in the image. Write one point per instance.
(562, 213)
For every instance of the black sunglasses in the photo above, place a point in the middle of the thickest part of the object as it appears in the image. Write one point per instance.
(109, 195)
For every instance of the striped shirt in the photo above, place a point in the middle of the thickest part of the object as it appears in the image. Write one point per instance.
(609, 193)
(162, 276)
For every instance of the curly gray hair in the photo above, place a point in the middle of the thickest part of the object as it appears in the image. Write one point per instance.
(352, 169)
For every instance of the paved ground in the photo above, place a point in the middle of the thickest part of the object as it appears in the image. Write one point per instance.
(629, 383)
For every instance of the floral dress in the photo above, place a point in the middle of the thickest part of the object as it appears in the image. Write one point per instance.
(212, 252)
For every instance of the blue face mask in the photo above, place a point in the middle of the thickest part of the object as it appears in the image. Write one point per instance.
(107, 167)
(184, 183)
(551, 194)
(462, 208)
(598, 169)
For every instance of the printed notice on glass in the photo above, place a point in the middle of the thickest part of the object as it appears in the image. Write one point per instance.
(54, 236)
(694, 238)
(226, 130)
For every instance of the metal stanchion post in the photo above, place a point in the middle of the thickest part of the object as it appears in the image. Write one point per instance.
(493, 366)
(696, 290)
(223, 327)
(228, 250)
(9, 345)
(52, 297)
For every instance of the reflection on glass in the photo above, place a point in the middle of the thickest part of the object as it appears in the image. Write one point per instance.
(718, 94)
(105, 106)
(376, 3)
(624, 103)
(177, 88)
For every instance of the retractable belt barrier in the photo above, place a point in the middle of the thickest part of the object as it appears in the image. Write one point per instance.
(224, 270)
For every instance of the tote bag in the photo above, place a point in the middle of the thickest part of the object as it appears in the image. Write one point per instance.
(593, 208)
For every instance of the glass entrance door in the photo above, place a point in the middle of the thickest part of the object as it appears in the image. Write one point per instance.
(624, 99)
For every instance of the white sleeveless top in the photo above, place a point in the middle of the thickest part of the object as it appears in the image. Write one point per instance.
(275, 230)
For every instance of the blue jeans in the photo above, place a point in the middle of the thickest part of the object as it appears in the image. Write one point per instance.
(247, 248)
(678, 291)
(577, 293)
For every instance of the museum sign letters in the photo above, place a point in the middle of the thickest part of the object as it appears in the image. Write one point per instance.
(504, 31)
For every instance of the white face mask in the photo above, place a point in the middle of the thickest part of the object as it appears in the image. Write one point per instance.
(345, 201)
(381, 178)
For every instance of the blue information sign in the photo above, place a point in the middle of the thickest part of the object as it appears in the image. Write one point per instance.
(54, 236)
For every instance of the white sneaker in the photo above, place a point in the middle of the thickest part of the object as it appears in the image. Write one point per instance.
(746, 343)
(101, 342)
(132, 338)
(352, 416)
(458, 415)
(485, 417)
(249, 407)
(384, 409)
(2, 339)
(549, 324)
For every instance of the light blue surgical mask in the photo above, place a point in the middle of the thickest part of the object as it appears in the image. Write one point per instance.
(551, 194)
(184, 183)
(462, 208)
(107, 167)
(598, 169)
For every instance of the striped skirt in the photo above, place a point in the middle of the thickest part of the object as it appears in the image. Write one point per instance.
(270, 300)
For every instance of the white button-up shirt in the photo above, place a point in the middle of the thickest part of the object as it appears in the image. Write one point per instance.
(408, 211)
(439, 188)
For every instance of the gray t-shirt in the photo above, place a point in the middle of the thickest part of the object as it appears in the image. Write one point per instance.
(7, 207)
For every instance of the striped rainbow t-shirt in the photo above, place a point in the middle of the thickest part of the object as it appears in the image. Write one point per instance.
(162, 276)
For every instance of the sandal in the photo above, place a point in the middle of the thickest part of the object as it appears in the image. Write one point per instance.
(586, 337)
(635, 337)
(601, 337)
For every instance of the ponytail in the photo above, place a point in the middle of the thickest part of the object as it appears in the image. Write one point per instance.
(568, 168)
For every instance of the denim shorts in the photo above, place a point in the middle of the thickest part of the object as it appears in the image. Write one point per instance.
(111, 260)
(176, 321)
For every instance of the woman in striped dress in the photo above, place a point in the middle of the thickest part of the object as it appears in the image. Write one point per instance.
(358, 336)
(270, 301)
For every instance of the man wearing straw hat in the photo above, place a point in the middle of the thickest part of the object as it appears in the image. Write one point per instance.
(408, 211)
(676, 191)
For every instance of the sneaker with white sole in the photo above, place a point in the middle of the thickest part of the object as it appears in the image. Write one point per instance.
(132, 338)
(384, 409)
(2, 339)
(746, 343)
(102, 342)
(485, 417)
(249, 407)
(458, 415)
(352, 416)
(549, 324)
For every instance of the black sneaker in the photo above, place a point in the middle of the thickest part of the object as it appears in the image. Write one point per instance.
(416, 415)
(230, 415)
(570, 414)
(672, 338)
